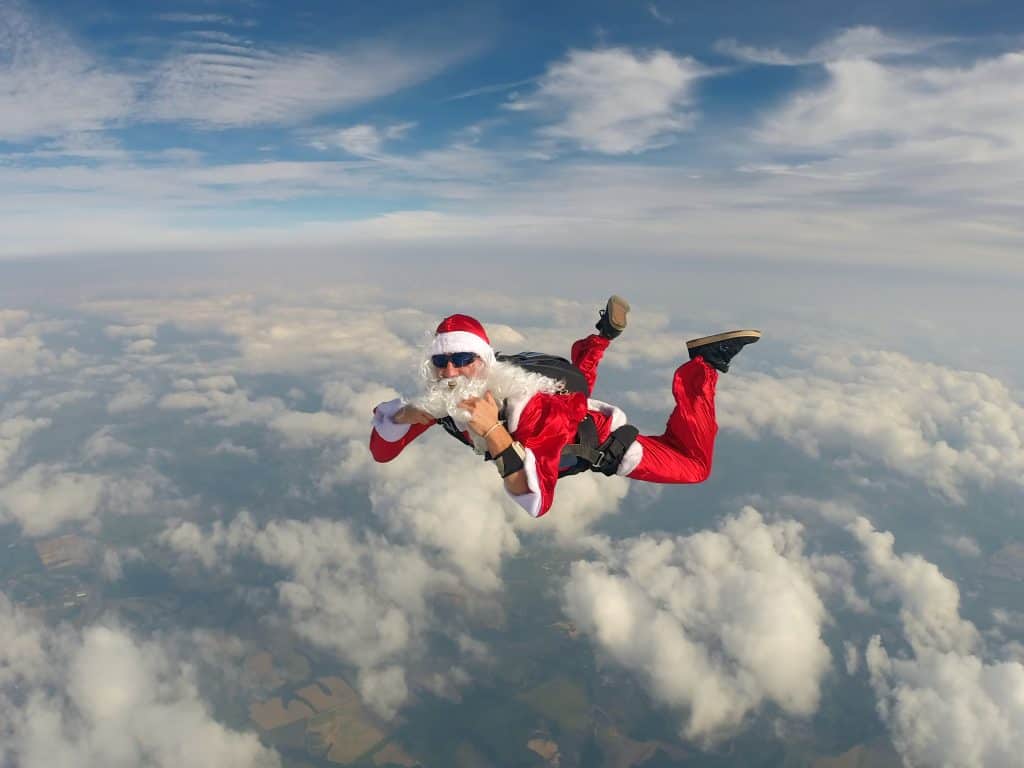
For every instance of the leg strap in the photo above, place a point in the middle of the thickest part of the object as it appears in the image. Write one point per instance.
(614, 448)
(586, 454)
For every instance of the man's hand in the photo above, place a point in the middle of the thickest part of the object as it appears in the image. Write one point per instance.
(410, 415)
(483, 412)
(484, 415)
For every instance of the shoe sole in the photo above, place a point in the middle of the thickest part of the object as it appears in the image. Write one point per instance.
(617, 310)
(748, 334)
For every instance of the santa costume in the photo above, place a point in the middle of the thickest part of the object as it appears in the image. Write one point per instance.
(544, 420)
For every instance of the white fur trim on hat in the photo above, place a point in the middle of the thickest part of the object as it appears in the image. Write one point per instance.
(461, 341)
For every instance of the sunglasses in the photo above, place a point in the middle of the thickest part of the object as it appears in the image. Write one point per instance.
(458, 359)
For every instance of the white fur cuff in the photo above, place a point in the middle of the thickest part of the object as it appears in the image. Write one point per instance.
(631, 459)
(461, 341)
(383, 424)
(530, 501)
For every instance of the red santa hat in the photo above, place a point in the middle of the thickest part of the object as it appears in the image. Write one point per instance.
(462, 333)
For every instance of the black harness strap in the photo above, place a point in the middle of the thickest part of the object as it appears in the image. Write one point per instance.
(449, 426)
(614, 448)
(580, 456)
(585, 454)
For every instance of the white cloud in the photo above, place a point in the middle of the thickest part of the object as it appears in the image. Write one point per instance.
(715, 624)
(54, 402)
(230, 448)
(13, 433)
(140, 331)
(616, 101)
(11, 319)
(304, 430)
(953, 114)
(100, 697)
(102, 444)
(195, 18)
(133, 396)
(946, 708)
(362, 140)
(225, 408)
(44, 497)
(852, 43)
(659, 15)
(468, 522)
(852, 657)
(929, 602)
(27, 356)
(359, 140)
(944, 427)
(945, 704)
(964, 545)
(113, 562)
(222, 382)
(140, 347)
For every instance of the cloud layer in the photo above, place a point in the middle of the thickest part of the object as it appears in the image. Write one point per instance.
(397, 571)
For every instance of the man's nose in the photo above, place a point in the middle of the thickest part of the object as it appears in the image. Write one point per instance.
(449, 370)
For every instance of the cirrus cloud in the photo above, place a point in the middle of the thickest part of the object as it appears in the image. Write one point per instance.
(854, 43)
(50, 85)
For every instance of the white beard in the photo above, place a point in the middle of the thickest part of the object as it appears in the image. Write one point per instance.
(441, 397)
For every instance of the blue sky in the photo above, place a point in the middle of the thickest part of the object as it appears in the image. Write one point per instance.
(874, 134)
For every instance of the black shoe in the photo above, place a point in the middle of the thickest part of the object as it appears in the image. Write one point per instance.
(613, 317)
(719, 349)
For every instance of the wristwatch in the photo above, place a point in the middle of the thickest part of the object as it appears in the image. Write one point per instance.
(510, 460)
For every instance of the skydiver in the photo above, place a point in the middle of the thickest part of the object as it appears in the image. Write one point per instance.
(536, 432)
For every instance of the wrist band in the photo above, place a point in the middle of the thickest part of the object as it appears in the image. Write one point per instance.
(510, 460)
(496, 425)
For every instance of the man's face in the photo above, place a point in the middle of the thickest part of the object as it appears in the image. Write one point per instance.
(448, 383)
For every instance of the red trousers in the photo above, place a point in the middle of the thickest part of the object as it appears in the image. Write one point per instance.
(682, 453)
